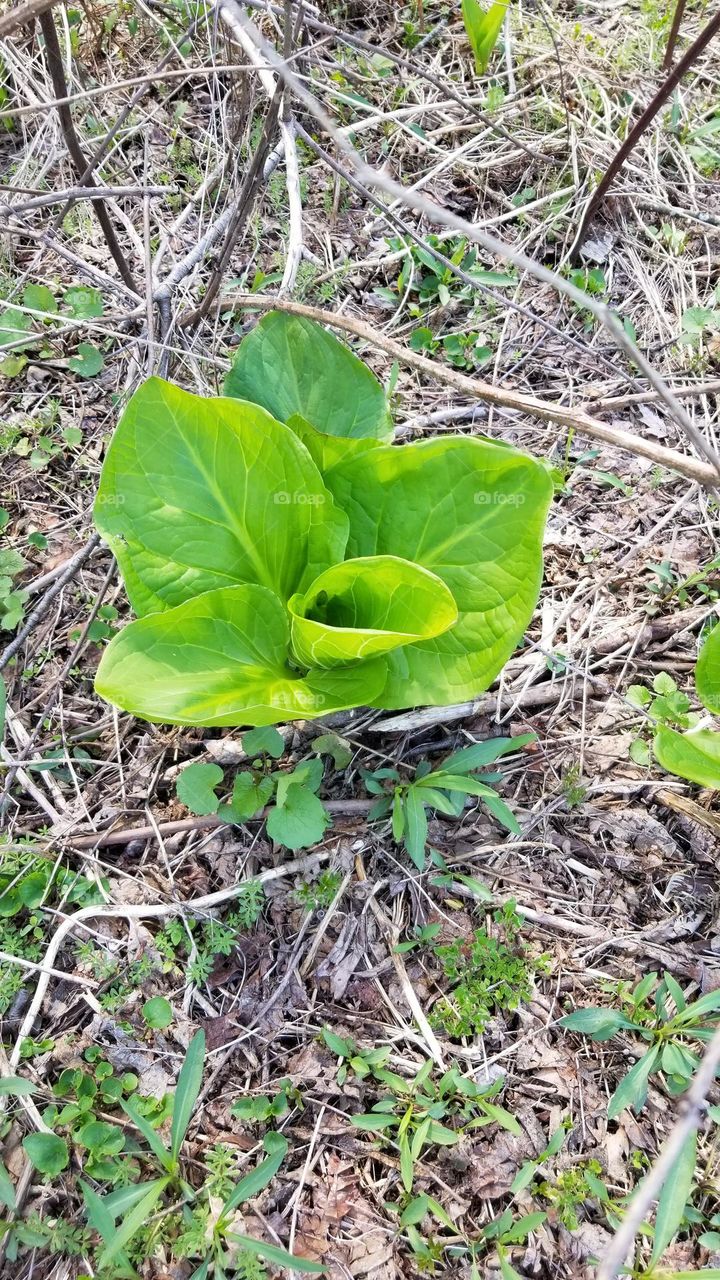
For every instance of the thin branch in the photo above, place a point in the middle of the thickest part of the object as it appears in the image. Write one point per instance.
(57, 75)
(83, 193)
(102, 839)
(694, 1110)
(674, 33)
(579, 419)
(23, 15)
(41, 609)
(414, 199)
(692, 53)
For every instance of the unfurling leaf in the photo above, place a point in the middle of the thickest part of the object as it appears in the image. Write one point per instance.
(483, 27)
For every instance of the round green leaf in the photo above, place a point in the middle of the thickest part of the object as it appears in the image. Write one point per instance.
(223, 659)
(46, 1152)
(291, 365)
(367, 607)
(196, 787)
(157, 1013)
(88, 362)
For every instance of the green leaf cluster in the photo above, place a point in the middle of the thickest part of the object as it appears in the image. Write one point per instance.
(694, 753)
(656, 1012)
(286, 561)
(483, 26)
(296, 817)
(442, 790)
(425, 1112)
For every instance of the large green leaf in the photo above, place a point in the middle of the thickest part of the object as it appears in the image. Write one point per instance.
(325, 450)
(290, 365)
(694, 755)
(471, 512)
(223, 659)
(201, 493)
(366, 607)
(707, 672)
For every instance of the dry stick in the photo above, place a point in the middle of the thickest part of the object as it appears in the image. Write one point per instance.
(246, 200)
(413, 199)
(57, 686)
(57, 75)
(674, 33)
(691, 54)
(143, 911)
(85, 174)
(24, 14)
(579, 419)
(147, 81)
(41, 609)
(205, 823)
(356, 42)
(478, 286)
(83, 193)
(694, 1107)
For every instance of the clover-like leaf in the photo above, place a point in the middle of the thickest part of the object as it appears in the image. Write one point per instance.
(300, 820)
(367, 607)
(250, 795)
(266, 741)
(223, 658)
(46, 1152)
(290, 365)
(88, 362)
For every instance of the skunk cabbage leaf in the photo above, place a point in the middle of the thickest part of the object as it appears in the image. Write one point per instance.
(284, 562)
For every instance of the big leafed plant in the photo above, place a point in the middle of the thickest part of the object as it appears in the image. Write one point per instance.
(285, 560)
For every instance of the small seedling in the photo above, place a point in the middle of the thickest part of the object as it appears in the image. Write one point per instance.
(657, 1012)
(442, 790)
(486, 975)
(412, 1113)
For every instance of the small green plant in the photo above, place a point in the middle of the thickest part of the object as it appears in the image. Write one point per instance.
(29, 328)
(432, 283)
(462, 350)
(28, 883)
(427, 1112)
(665, 704)
(317, 894)
(657, 1012)
(296, 817)
(260, 1110)
(126, 1225)
(327, 568)
(483, 27)
(693, 753)
(361, 1062)
(443, 790)
(486, 974)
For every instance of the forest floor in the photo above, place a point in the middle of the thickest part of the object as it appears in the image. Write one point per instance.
(613, 877)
